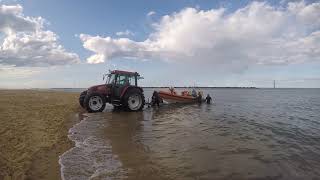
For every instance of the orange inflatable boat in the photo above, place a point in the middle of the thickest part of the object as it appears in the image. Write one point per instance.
(173, 97)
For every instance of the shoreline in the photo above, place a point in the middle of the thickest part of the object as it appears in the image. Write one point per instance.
(34, 132)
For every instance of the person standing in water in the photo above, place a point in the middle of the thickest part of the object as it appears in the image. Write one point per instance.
(199, 97)
(208, 99)
(155, 99)
(194, 93)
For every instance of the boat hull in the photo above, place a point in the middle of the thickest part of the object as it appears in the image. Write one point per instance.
(174, 98)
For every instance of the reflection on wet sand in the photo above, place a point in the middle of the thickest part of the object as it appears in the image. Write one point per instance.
(174, 143)
(123, 132)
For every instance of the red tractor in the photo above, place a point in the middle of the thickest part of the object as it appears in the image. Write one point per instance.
(121, 90)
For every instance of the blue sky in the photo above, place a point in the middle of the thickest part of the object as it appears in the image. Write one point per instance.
(207, 43)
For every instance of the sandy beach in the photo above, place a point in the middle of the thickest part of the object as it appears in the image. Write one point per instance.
(33, 132)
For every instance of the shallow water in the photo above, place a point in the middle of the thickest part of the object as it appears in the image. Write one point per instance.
(244, 134)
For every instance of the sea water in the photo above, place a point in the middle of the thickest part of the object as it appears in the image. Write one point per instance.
(243, 134)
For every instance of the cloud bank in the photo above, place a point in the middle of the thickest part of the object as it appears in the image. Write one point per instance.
(25, 43)
(255, 34)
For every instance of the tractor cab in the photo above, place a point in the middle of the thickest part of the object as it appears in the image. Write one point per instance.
(119, 81)
(122, 78)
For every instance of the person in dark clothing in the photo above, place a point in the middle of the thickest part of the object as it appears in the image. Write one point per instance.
(194, 93)
(208, 99)
(199, 97)
(155, 99)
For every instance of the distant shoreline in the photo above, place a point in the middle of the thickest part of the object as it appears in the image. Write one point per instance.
(206, 87)
(157, 87)
(203, 87)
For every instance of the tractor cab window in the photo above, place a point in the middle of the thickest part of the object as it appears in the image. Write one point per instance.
(111, 78)
(123, 80)
(132, 80)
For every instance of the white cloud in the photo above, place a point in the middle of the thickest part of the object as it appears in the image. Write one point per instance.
(25, 42)
(256, 34)
(125, 33)
(151, 13)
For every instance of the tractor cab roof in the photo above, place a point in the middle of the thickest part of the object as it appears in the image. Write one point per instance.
(125, 73)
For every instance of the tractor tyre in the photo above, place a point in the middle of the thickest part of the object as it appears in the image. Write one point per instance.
(133, 100)
(81, 98)
(94, 102)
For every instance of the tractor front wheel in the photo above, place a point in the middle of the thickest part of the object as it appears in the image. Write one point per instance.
(81, 98)
(95, 102)
(134, 100)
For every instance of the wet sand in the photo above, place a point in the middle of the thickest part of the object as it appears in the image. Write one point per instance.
(33, 132)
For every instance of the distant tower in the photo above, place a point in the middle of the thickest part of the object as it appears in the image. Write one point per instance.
(274, 83)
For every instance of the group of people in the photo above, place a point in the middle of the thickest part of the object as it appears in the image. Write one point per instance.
(199, 96)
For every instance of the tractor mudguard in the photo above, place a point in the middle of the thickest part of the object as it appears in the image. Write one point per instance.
(128, 88)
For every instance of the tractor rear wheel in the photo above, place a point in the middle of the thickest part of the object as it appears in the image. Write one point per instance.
(133, 100)
(81, 98)
(95, 102)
